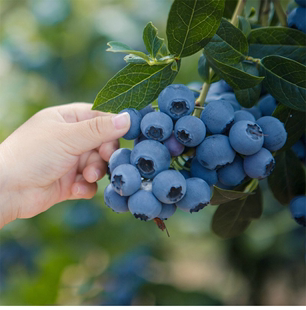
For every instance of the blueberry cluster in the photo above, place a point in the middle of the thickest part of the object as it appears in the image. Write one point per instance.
(296, 19)
(226, 145)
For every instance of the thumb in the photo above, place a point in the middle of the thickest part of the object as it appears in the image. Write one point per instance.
(90, 134)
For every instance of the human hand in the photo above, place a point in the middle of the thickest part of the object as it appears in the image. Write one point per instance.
(58, 154)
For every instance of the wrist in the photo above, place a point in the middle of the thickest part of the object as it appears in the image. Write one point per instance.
(8, 208)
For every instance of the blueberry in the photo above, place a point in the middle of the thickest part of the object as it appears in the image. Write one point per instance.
(267, 105)
(246, 137)
(134, 130)
(190, 131)
(260, 165)
(186, 174)
(139, 139)
(301, 3)
(119, 157)
(296, 19)
(175, 148)
(169, 186)
(275, 134)
(218, 88)
(232, 174)
(150, 157)
(254, 111)
(298, 209)
(197, 170)
(114, 201)
(195, 87)
(167, 211)
(126, 180)
(218, 116)
(144, 205)
(243, 115)
(214, 152)
(197, 196)
(146, 110)
(299, 149)
(156, 126)
(176, 100)
(223, 186)
(229, 97)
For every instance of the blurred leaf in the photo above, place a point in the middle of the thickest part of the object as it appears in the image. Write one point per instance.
(135, 86)
(232, 218)
(244, 25)
(223, 195)
(294, 122)
(229, 45)
(203, 68)
(234, 75)
(286, 42)
(288, 178)
(118, 47)
(285, 81)
(248, 97)
(191, 25)
(152, 42)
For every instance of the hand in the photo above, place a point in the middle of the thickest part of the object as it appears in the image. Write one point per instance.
(58, 154)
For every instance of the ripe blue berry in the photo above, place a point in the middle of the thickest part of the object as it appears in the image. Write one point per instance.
(275, 135)
(197, 196)
(144, 205)
(175, 148)
(156, 126)
(146, 110)
(198, 171)
(298, 209)
(267, 105)
(195, 87)
(169, 186)
(246, 137)
(255, 111)
(218, 116)
(296, 19)
(232, 174)
(139, 139)
(214, 152)
(218, 88)
(167, 211)
(119, 157)
(301, 3)
(186, 174)
(243, 115)
(126, 180)
(150, 157)
(260, 165)
(135, 118)
(114, 201)
(299, 149)
(190, 131)
(176, 100)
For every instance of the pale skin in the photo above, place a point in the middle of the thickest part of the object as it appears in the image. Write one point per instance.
(58, 154)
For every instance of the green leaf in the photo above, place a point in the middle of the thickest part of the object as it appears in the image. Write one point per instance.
(294, 122)
(135, 86)
(163, 51)
(285, 81)
(244, 25)
(134, 59)
(248, 97)
(282, 41)
(152, 42)
(288, 178)
(229, 45)
(221, 196)
(232, 218)
(118, 47)
(234, 75)
(191, 25)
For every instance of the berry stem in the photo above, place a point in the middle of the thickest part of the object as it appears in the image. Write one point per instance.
(280, 13)
(264, 12)
(238, 10)
(252, 186)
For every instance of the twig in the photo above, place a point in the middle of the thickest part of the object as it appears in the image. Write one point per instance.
(238, 10)
(280, 13)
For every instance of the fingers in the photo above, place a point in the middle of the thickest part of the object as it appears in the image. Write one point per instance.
(91, 133)
(95, 168)
(82, 189)
(107, 149)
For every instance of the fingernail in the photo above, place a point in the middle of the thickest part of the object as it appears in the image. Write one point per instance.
(80, 190)
(120, 121)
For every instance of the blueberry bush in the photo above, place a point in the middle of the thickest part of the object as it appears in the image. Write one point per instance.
(197, 145)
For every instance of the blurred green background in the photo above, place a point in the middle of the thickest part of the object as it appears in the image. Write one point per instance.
(53, 52)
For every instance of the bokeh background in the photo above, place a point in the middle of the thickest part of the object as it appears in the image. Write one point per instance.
(53, 52)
